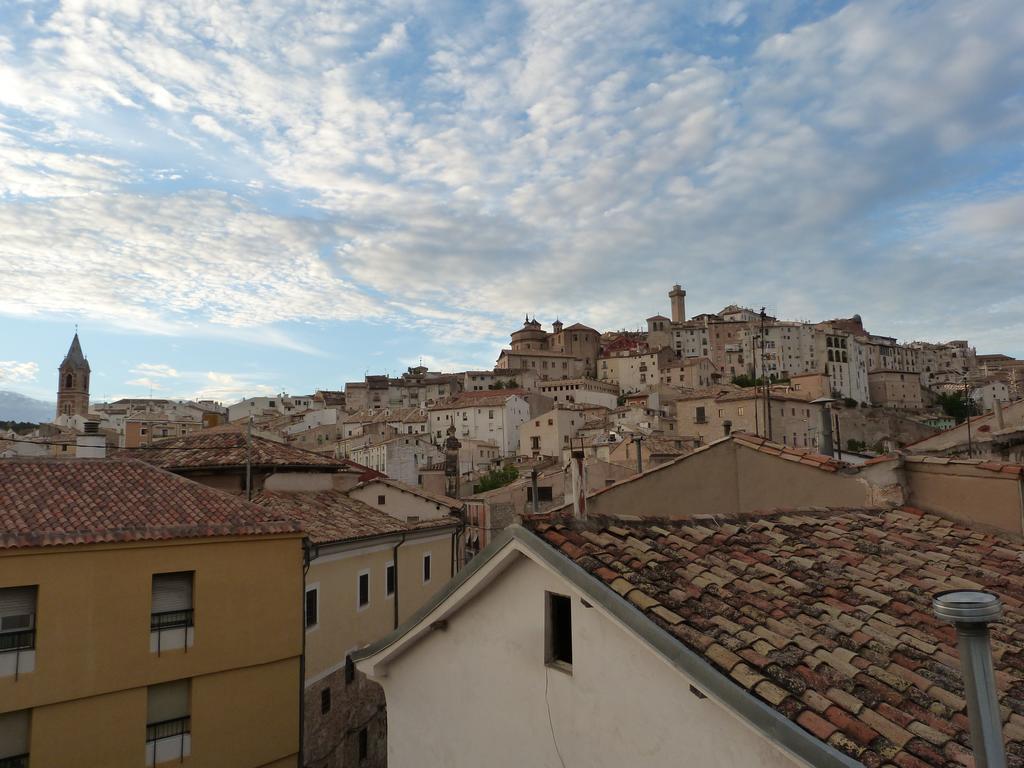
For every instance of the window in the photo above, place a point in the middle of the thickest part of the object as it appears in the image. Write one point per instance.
(535, 443)
(558, 631)
(426, 568)
(14, 727)
(171, 616)
(168, 723)
(312, 607)
(363, 597)
(364, 744)
(389, 580)
(490, 414)
(380, 499)
(700, 415)
(325, 701)
(543, 493)
(350, 670)
(17, 623)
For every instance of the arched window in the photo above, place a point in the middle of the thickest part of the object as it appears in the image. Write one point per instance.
(831, 359)
(69, 381)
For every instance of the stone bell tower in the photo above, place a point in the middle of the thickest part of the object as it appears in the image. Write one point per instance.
(73, 382)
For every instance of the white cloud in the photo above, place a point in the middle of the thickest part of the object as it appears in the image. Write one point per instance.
(14, 371)
(552, 157)
(145, 382)
(156, 369)
(394, 41)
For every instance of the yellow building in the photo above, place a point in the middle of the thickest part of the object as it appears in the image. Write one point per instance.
(144, 619)
(368, 572)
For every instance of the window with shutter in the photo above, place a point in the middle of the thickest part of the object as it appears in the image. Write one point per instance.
(171, 617)
(168, 722)
(14, 738)
(17, 625)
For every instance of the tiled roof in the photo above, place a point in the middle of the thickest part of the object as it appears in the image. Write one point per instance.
(48, 502)
(809, 458)
(950, 439)
(330, 516)
(444, 501)
(581, 327)
(226, 447)
(991, 466)
(826, 616)
(481, 398)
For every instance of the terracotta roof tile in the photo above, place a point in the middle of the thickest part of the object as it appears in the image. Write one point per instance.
(826, 616)
(330, 516)
(225, 447)
(49, 502)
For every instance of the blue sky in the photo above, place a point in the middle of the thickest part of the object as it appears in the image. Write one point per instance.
(232, 198)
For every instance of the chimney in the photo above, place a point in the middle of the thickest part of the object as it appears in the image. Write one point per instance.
(971, 611)
(92, 444)
(997, 411)
(579, 482)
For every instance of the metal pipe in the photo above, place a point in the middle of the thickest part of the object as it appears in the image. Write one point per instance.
(533, 489)
(971, 611)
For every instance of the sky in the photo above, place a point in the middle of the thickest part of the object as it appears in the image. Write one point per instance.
(232, 199)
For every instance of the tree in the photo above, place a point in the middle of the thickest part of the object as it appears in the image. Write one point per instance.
(954, 405)
(745, 380)
(849, 402)
(496, 478)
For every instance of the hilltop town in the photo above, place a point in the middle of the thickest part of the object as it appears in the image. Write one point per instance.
(766, 505)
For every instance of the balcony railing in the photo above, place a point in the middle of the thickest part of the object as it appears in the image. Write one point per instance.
(165, 621)
(178, 728)
(170, 620)
(14, 761)
(24, 640)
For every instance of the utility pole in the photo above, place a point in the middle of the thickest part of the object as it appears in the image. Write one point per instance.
(639, 456)
(839, 438)
(967, 406)
(248, 459)
(767, 386)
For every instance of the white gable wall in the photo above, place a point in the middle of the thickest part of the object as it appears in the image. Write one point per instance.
(474, 694)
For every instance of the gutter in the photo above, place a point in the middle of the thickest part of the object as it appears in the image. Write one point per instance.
(307, 558)
(394, 560)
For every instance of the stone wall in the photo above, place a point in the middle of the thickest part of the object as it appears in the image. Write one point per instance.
(332, 739)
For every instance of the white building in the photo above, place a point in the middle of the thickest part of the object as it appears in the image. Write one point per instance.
(986, 395)
(493, 416)
(282, 403)
(638, 372)
(401, 458)
(604, 393)
(556, 669)
(549, 433)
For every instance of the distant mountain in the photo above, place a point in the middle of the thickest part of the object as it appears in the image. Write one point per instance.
(18, 407)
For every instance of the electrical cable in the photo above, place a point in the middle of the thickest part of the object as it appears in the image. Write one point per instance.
(551, 724)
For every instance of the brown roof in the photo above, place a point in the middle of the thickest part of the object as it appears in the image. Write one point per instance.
(48, 502)
(444, 501)
(330, 516)
(226, 447)
(477, 399)
(825, 616)
(799, 455)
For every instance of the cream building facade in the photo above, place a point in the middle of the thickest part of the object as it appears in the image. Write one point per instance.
(165, 628)
(493, 416)
(367, 573)
(604, 393)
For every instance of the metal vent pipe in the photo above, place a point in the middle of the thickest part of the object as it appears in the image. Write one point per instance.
(971, 611)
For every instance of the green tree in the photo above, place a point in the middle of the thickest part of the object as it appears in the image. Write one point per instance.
(745, 380)
(496, 478)
(954, 405)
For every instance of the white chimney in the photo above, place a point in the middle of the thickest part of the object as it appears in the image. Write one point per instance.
(997, 411)
(91, 444)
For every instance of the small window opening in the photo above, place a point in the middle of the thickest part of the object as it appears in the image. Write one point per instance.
(559, 630)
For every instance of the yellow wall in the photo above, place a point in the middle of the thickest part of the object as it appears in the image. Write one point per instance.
(93, 662)
(341, 627)
(968, 493)
(727, 479)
